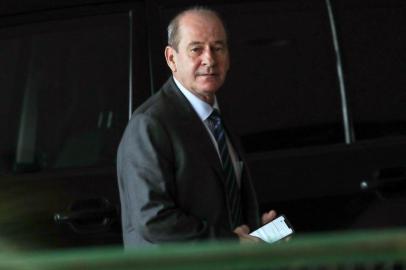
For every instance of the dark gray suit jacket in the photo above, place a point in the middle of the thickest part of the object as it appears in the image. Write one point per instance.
(170, 177)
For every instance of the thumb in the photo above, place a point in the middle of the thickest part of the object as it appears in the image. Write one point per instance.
(268, 217)
(241, 230)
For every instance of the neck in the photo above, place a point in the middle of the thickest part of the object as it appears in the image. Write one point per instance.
(209, 98)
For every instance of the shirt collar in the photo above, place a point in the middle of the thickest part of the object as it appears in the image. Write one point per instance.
(203, 109)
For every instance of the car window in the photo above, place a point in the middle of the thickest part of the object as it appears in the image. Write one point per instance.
(282, 91)
(65, 95)
(375, 57)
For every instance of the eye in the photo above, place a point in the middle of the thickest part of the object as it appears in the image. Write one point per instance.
(196, 49)
(218, 49)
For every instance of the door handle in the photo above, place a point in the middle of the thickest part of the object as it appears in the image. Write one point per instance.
(88, 216)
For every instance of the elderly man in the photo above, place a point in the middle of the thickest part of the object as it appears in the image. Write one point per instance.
(181, 172)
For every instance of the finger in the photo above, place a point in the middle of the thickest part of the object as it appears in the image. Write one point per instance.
(268, 217)
(270, 214)
(250, 239)
(245, 229)
(242, 230)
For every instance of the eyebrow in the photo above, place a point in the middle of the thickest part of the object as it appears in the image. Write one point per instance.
(218, 42)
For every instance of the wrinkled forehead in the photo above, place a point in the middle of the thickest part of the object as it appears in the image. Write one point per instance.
(202, 27)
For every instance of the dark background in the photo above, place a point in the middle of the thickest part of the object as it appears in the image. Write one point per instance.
(327, 150)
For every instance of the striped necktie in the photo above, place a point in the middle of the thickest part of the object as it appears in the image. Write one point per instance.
(232, 190)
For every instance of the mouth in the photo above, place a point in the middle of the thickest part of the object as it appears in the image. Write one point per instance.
(207, 75)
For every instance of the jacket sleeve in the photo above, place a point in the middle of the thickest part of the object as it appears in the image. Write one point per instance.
(146, 169)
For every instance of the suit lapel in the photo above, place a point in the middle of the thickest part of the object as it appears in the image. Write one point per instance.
(190, 121)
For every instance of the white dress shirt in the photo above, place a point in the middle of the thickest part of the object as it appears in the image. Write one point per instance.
(203, 110)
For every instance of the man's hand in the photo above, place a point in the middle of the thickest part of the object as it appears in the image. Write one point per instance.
(268, 217)
(243, 230)
(243, 233)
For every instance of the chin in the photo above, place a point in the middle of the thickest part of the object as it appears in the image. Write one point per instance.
(210, 84)
(211, 88)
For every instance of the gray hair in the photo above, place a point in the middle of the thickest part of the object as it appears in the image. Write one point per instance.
(173, 27)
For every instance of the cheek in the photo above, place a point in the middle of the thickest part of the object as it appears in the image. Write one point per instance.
(187, 68)
(193, 68)
(196, 63)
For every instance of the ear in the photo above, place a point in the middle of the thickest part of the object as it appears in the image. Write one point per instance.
(170, 58)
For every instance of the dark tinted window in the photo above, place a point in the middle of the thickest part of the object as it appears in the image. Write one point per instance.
(11, 54)
(282, 90)
(65, 91)
(374, 40)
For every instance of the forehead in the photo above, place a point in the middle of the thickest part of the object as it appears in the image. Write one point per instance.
(201, 27)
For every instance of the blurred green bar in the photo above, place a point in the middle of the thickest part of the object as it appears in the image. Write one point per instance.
(380, 249)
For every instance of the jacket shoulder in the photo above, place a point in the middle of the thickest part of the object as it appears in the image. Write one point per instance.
(167, 102)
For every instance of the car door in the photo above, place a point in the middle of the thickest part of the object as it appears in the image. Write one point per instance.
(67, 83)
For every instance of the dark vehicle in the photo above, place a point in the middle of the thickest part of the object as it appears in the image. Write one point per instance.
(316, 91)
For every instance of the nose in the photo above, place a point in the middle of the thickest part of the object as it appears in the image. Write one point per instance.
(208, 58)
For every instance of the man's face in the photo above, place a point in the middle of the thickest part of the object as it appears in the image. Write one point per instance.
(201, 61)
